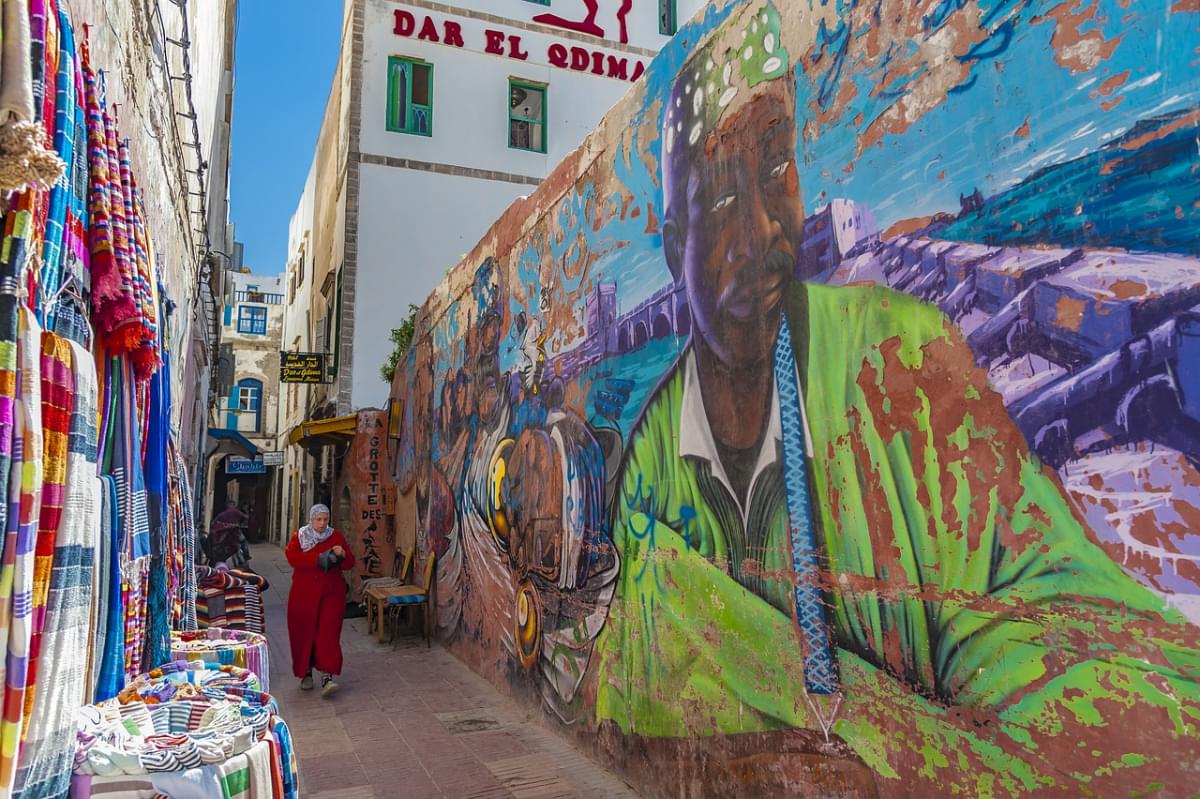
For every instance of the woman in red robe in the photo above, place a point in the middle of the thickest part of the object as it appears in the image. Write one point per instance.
(316, 604)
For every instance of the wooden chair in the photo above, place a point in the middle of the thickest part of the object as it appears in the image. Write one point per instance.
(413, 597)
(376, 595)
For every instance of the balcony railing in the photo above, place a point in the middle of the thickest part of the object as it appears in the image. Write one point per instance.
(258, 296)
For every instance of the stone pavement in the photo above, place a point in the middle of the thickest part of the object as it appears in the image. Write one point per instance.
(415, 722)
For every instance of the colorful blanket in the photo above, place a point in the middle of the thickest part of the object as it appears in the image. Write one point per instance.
(230, 647)
(110, 628)
(49, 749)
(60, 201)
(101, 236)
(58, 390)
(158, 433)
(14, 253)
(16, 571)
(181, 508)
(230, 598)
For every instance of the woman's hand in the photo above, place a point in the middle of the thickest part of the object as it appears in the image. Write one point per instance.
(337, 550)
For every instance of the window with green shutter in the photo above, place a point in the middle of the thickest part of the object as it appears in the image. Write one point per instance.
(527, 115)
(410, 96)
(667, 22)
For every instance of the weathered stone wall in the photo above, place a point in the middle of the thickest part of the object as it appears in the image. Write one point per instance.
(129, 44)
(826, 425)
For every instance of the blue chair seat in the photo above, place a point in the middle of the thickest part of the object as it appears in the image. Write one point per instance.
(409, 599)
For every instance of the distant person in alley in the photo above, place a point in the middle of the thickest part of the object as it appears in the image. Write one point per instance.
(319, 554)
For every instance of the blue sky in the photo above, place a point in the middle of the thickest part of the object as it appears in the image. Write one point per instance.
(286, 53)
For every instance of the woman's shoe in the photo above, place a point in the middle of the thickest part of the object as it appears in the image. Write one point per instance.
(306, 682)
(328, 686)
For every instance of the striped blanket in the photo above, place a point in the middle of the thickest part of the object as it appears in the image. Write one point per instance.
(63, 246)
(132, 519)
(16, 570)
(229, 647)
(13, 255)
(49, 749)
(158, 434)
(109, 660)
(58, 391)
(181, 507)
(101, 237)
(231, 599)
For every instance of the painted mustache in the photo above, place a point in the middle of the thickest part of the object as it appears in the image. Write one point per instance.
(757, 289)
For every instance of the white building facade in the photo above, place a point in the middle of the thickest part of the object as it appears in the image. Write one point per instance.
(461, 109)
(439, 116)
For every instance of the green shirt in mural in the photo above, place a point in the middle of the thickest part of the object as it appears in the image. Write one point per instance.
(960, 575)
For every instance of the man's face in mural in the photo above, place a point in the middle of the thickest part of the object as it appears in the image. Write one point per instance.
(486, 367)
(735, 225)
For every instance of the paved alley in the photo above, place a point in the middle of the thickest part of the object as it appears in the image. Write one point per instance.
(415, 722)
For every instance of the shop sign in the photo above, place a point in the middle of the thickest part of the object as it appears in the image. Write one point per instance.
(301, 367)
(235, 464)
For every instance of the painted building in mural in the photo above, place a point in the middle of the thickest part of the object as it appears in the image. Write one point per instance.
(248, 394)
(827, 423)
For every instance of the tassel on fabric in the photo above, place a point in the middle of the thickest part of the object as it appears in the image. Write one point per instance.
(24, 160)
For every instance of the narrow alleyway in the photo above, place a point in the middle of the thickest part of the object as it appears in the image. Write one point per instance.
(415, 722)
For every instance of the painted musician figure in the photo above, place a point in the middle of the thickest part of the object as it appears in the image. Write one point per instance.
(515, 511)
(824, 496)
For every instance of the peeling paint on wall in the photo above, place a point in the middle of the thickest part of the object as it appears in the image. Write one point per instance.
(827, 424)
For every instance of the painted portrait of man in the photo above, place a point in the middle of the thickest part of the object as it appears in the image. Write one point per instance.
(824, 497)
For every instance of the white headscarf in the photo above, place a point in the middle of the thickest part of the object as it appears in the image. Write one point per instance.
(309, 537)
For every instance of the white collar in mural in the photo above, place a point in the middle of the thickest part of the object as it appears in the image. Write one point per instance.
(696, 438)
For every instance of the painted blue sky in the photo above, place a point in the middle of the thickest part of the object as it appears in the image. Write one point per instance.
(286, 53)
(971, 138)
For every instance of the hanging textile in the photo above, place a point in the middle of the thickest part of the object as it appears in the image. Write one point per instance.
(16, 572)
(100, 234)
(25, 160)
(43, 26)
(118, 305)
(13, 255)
(158, 433)
(110, 636)
(230, 598)
(48, 752)
(135, 525)
(64, 144)
(64, 251)
(58, 391)
(144, 343)
(181, 504)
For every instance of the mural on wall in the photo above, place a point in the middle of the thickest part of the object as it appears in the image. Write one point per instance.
(832, 418)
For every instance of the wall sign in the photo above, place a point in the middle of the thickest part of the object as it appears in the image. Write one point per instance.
(497, 42)
(272, 458)
(235, 464)
(302, 367)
